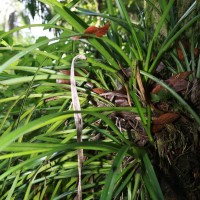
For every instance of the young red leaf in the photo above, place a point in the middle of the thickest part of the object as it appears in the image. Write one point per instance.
(99, 32)
(91, 30)
(103, 30)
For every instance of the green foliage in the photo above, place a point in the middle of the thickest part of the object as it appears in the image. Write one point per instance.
(38, 141)
(36, 7)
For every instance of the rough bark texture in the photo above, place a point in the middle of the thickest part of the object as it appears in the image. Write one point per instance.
(179, 8)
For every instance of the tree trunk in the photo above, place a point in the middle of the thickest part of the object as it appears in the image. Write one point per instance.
(179, 9)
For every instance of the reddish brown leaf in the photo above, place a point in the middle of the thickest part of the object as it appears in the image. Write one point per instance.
(122, 90)
(99, 32)
(91, 30)
(196, 52)
(177, 85)
(103, 30)
(177, 82)
(67, 72)
(187, 47)
(166, 118)
(65, 81)
(157, 127)
(180, 54)
(159, 123)
(181, 75)
(99, 90)
(157, 89)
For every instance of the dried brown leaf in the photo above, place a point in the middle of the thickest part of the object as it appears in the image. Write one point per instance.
(181, 75)
(159, 123)
(177, 82)
(99, 90)
(65, 81)
(178, 85)
(166, 118)
(157, 88)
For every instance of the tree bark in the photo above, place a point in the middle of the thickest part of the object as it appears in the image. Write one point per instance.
(179, 9)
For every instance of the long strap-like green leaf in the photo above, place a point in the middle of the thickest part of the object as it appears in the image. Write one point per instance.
(79, 25)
